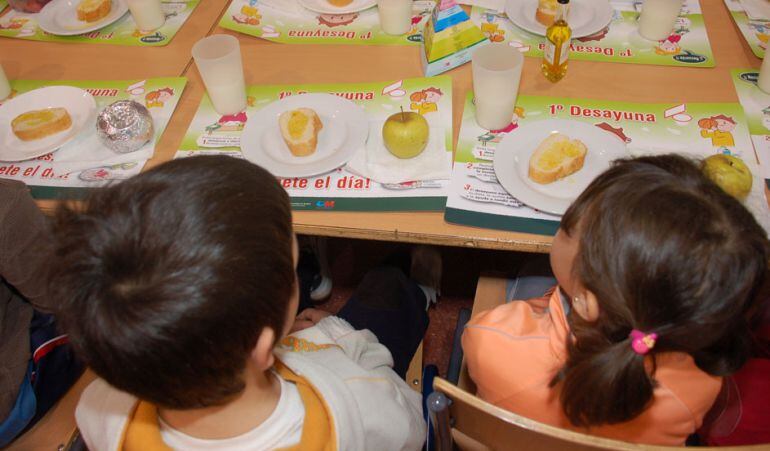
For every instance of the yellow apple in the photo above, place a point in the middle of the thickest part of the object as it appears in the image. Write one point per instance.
(406, 134)
(730, 173)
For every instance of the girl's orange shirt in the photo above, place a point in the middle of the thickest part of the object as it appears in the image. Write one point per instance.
(513, 351)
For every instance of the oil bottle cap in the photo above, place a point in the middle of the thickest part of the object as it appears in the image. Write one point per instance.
(563, 2)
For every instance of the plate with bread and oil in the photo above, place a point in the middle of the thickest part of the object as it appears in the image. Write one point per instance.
(338, 6)
(585, 17)
(305, 135)
(38, 122)
(73, 17)
(547, 164)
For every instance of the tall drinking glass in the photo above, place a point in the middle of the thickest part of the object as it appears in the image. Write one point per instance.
(219, 62)
(147, 14)
(395, 16)
(658, 17)
(496, 75)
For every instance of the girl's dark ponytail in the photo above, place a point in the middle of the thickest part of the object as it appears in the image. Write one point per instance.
(664, 250)
(603, 382)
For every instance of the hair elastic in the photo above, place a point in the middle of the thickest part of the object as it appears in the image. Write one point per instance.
(642, 342)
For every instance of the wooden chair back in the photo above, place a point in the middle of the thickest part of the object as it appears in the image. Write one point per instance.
(474, 424)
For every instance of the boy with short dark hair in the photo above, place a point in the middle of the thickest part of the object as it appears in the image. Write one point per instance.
(179, 289)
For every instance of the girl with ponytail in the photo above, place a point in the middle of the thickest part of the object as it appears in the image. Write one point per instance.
(657, 272)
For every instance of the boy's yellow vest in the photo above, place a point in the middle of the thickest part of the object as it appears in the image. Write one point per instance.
(142, 432)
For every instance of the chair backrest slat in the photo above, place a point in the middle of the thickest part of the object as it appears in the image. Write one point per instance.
(500, 429)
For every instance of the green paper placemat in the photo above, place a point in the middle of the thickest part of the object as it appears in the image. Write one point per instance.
(211, 133)
(756, 32)
(287, 22)
(477, 199)
(14, 24)
(51, 178)
(620, 42)
(756, 107)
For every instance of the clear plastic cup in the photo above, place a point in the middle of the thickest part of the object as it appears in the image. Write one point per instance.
(658, 17)
(147, 14)
(496, 76)
(395, 16)
(219, 62)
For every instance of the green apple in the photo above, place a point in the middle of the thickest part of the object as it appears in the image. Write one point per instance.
(406, 134)
(730, 173)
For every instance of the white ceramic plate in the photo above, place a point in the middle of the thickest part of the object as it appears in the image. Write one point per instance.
(586, 17)
(345, 130)
(60, 17)
(80, 105)
(514, 151)
(324, 7)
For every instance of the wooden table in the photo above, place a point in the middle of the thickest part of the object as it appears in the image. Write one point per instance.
(34, 60)
(270, 63)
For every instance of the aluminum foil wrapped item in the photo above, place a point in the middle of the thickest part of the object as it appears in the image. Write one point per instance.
(124, 126)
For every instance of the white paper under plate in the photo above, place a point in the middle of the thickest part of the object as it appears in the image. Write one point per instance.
(79, 104)
(344, 132)
(513, 153)
(586, 17)
(60, 17)
(324, 7)
(377, 163)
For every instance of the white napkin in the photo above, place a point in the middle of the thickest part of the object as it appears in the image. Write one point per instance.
(86, 152)
(497, 5)
(756, 9)
(375, 162)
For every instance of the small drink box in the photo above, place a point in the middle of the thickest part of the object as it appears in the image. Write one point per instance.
(449, 38)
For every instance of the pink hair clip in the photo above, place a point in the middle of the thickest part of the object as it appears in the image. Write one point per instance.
(642, 342)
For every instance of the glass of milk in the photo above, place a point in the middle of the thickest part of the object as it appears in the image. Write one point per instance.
(496, 74)
(147, 14)
(657, 19)
(219, 62)
(395, 16)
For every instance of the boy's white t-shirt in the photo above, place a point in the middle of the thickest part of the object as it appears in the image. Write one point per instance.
(282, 429)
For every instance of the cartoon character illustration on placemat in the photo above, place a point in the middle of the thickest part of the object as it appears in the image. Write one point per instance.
(15, 23)
(493, 32)
(719, 129)
(228, 123)
(337, 20)
(495, 136)
(158, 98)
(518, 113)
(669, 46)
(248, 15)
(426, 101)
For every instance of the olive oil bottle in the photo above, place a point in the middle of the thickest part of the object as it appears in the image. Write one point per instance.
(557, 42)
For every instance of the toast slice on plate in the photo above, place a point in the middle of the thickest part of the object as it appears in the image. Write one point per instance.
(555, 158)
(299, 129)
(37, 124)
(93, 10)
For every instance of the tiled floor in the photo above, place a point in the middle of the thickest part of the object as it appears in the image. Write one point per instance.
(350, 259)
